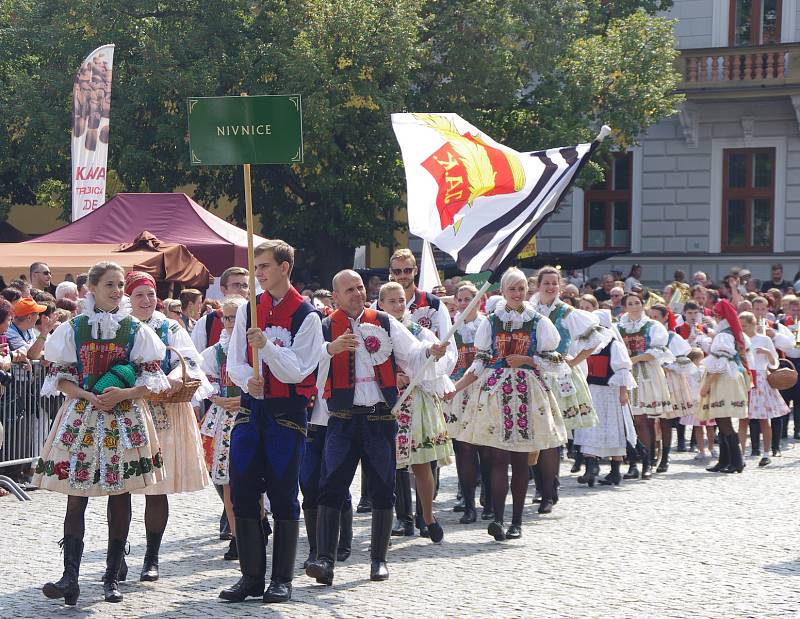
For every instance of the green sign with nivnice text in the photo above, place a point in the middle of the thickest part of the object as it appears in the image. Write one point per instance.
(238, 130)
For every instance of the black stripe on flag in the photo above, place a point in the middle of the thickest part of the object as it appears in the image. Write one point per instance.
(484, 236)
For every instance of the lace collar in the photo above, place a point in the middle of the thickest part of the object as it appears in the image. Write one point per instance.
(156, 320)
(630, 325)
(516, 318)
(467, 330)
(105, 324)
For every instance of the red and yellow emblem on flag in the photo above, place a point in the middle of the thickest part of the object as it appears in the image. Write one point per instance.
(465, 167)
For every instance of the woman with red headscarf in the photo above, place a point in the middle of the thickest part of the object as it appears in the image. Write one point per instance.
(723, 394)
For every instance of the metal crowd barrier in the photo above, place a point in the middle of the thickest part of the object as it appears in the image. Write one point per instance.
(26, 418)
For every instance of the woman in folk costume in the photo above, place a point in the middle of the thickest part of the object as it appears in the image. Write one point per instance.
(646, 341)
(175, 423)
(765, 402)
(610, 379)
(454, 410)
(683, 400)
(723, 394)
(103, 441)
(225, 405)
(421, 427)
(515, 412)
(580, 335)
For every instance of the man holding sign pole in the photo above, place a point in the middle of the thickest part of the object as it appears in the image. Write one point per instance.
(268, 435)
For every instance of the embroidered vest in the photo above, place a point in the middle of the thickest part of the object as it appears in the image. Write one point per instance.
(213, 327)
(289, 314)
(520, 341)
(685, 330)
(95, 356)
(226, 387)
(557, 315)
(637, 342)
(600, 366)
(340, 385)
(466, 355)
(163, 335)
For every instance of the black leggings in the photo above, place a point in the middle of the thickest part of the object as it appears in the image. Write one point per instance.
(118, 514)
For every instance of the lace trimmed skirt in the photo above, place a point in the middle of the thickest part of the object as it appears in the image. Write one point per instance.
(574, 400)
(422, 431)
(512, 409)
(614, 429)
(651, 396)
(683, 401)
(727, 398)
(93, 453)
(181, 448)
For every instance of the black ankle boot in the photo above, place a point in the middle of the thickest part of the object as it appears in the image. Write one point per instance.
(724, 456)
(470, 515)
(116, 552)
(736, 461)
(633, 472)
(404, 525)
(252, 561)
(590, 475)
(150, 565)
(576, 466)
(328, 525)
(284, 553)
(663, 466)
(310, 519)
(67, 587)
(614, 477)
(379, 543)
(345, 546)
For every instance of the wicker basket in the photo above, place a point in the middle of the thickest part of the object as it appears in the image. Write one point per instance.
(185, 393)
(784, 377)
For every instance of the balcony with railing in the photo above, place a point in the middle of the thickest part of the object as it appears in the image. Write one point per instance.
(740, 72)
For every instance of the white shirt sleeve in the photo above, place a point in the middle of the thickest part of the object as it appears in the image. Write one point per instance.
(148, 348)
(60, 346)
(547, 336)
(483, 346)
(179, 339)
(199, 338)
(292, 364)
(621, 365)
(443, 321)
(446, 364)
(239, 370)
(584, 331)
(409, 352)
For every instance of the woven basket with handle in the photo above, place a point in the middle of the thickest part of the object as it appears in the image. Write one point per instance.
(784, 377)
(185, 393)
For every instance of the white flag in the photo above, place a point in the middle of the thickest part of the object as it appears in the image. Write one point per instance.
(91, 109)
(475, 199)
(428, 273)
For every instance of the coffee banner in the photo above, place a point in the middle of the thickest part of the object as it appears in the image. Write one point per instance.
(91, 110)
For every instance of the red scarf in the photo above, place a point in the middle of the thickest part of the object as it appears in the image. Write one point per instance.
(726, 311)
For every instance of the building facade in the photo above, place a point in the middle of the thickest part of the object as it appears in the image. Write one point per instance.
(718, 184)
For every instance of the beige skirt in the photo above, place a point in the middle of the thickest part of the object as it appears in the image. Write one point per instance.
(727, 397)
(684, 403)
(181, 448)
(91, 453)
(651, 396)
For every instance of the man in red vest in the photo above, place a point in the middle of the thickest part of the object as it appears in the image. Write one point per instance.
(268, 435)
(233, 283)
(365, 348)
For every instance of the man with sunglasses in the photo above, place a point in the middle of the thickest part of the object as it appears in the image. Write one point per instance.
(41, 277)
(427, 311)
(207, 330)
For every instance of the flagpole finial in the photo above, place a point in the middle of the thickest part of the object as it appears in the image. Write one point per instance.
(604, 131)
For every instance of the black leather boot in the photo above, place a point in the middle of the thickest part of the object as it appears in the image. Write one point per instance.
(663, 466)
(67, 587)
(379, 544)
(150, 565)
(284, 553)
(614, 477)
(345, 546)
(576, 466)
(114, 557)
(364, 503)
(310, 518)
(404, 525)
(470, 515)
(736, 464)
(724, 456)
(252, 561)
(328, 524)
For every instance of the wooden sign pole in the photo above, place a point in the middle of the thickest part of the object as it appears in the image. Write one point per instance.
(251, 260)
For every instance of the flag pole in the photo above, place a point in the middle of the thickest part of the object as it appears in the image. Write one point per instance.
(417, 378)
(251, 266)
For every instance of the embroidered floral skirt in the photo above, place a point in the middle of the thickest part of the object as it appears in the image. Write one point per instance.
(614, 428)
(181, 448)
(456, 409)
(683, 401)
(574, 399)
(91, 453)
(216, 427)
(727, 398)
(651, 395)
(422, 431)
(512, 410)
(765, 401)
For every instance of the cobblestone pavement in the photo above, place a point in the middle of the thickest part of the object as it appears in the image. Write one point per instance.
(686, 544)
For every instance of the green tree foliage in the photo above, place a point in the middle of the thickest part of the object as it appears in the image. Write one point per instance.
(531, 73)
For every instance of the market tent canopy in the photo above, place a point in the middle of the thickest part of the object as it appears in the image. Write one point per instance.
(172, 217)
(168, 262)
